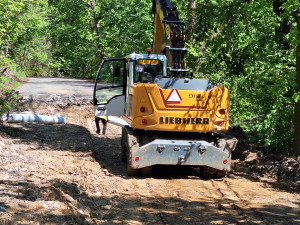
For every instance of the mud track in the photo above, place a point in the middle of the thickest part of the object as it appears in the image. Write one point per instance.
(67, 174)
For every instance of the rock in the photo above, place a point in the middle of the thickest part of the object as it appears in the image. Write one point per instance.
(98, 194)
(251, 157)
(3, 209)
(105, 171)
(107, 207)
(87, 211)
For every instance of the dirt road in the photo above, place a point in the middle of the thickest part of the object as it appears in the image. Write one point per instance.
(67, 174)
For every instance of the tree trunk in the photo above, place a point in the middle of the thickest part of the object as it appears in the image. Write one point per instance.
(297, 105)
(284, 28)
(95, 26)
(192, 19)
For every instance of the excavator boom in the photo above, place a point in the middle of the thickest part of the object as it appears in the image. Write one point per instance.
(169, 38)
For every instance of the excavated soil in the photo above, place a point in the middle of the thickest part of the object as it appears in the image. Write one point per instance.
(67, 174)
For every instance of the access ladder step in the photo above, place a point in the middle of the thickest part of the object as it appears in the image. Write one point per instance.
(178, 70)
(173, 21)
(176, 49)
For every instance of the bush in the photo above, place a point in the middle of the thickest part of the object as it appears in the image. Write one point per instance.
(9, 97)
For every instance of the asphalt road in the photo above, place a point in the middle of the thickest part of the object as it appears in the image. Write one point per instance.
(38, 88)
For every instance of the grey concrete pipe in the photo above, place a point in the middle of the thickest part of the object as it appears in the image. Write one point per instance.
(18, 118)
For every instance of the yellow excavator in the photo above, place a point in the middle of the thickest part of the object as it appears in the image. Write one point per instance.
(167, 116)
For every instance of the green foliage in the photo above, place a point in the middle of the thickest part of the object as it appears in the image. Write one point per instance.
(18, 73)
(9, 99)
(84, 32)
(235, 43)
(73, 42)
(239, 43)
(23, 34)
(126, 27)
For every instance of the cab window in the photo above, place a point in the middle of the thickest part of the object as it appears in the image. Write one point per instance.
(109, 81)
(146, 70)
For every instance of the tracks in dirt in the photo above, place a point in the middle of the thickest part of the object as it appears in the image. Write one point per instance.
(173, 201)
(228, 200)
(189, 201)
(86, 172)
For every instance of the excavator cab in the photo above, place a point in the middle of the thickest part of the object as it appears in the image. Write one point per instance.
(116, 75)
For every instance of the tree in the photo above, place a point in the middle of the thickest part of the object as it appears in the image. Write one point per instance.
(86, 31)
(297, 105)
(246, 45)
(23, 34)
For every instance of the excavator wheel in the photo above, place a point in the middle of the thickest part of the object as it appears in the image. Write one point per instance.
(124, 145)
(211, 173)
(126, 154)
(130, 170)
(146, 171)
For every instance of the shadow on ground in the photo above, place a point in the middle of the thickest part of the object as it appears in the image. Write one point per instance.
(121, 208)
(83, 209)
(107, 151)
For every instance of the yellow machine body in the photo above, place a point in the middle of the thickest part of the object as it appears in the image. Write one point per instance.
(195, 111)
(168, 115)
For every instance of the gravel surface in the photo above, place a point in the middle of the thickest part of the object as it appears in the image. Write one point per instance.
(67, 174)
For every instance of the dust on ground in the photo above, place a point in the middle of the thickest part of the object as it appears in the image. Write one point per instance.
(67, 174)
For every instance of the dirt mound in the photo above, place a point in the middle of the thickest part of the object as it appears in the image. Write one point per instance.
(284, 169)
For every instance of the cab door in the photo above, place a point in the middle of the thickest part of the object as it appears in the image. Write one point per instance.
(110, 88)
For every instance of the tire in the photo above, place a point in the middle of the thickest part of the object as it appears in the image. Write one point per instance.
(124, 146)
(126, 154)
(146, 171)
(145, 140)
(211, 173)
(130, 170)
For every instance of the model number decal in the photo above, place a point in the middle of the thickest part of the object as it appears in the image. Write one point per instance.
(194, 95)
